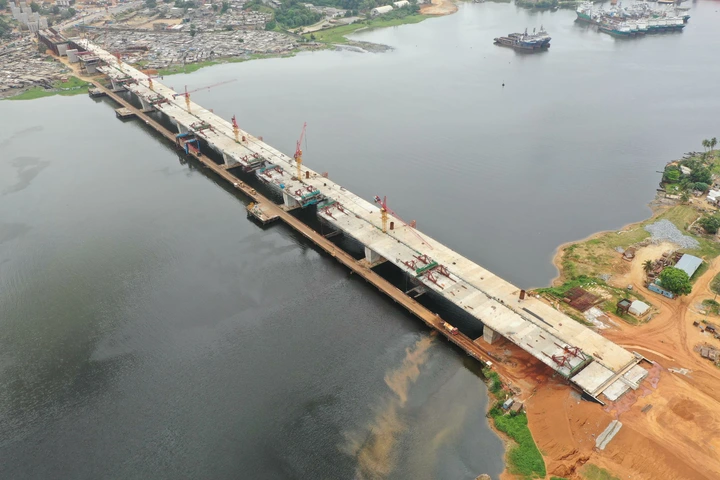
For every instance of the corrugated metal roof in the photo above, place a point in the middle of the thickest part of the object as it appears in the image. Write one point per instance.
(689, 264)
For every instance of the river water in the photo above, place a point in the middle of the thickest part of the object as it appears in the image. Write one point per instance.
(148, 330)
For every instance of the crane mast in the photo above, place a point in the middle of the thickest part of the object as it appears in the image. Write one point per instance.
(298, 151)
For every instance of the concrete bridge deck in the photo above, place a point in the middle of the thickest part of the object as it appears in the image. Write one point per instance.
(587, 359)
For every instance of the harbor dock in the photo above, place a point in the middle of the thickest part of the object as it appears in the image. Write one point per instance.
(591, 363)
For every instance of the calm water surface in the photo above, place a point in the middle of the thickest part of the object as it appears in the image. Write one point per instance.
(148, 330)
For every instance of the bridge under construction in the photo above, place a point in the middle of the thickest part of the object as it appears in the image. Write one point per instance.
(595, 365)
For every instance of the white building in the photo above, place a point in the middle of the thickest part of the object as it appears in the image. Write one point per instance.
(713, 195)
(381, 10)
(639, 308)
(401, 3)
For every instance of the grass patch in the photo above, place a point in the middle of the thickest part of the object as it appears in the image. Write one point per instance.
(599, 256)
(73, 86)
(337, 34)
(188, 68)
(524, 459)
(612, 295)
(593, 472)
(715, 284)
(711, 306)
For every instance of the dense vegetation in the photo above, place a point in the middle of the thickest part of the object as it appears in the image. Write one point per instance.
(675, 280)
(701, 165)
(5, 28)
(710, 223)
(537, 3)
(293, 14)
(524, 459)
(73, 86)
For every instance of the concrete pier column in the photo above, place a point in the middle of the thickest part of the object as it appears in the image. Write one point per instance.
(490, 335)
(181, 128)
(116, 87)
(146, 106)
(289, 201)
(371, 256)
(227, 160)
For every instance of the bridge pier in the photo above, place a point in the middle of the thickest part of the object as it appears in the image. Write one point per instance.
(116, 86)
(146, 106)
(289, 201)
(372, 257)
(490, 335)
(181, 127)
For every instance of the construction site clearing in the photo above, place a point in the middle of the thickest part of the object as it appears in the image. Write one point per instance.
(599, 368)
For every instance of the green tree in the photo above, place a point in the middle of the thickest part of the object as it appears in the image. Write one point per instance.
(34, 7)
(701, 174)
(270, 25)
(676, 281)
(711, 224)
(193, 30)
(672, 174)
(647, 266)
(700, 186)
(706, 144)
(713, 143)
(225, 6)
(685, 196)
(55, 10)
(151, 3)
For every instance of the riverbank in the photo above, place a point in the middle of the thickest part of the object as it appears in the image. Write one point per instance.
(672, 423)
(193, 67)
(337, 35)
(72, 86)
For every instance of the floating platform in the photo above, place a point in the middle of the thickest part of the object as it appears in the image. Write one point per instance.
(96, 92)
(258, 212)
(123, 113)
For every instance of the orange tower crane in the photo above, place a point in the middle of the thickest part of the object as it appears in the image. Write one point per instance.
(187, 93)
(236, 129)
(385, 210)
(150, 79)
(298, 151)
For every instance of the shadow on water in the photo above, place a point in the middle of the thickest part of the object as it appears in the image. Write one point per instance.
(375, 446)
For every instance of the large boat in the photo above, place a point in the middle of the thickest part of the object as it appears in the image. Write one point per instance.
(617, 29)
(524, 41)
(543, 36)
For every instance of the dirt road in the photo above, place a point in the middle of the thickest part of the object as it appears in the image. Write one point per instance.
(678, 434)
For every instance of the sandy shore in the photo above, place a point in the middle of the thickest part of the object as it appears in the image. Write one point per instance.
(439, 7)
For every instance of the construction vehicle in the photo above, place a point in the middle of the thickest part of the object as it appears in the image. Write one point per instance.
(452, 330)
(187, 93)
(298, 151)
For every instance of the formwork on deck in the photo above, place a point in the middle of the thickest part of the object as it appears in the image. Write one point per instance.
(550, 336)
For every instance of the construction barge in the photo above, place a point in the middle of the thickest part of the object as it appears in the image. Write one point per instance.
(597, 367)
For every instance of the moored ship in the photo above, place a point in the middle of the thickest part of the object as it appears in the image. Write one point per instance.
(524, 41)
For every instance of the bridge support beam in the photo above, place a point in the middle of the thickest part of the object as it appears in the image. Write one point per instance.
(289, 201)
(372, 257)
(181, 127)
(490, 335)
(146, 106)
(116, 86)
